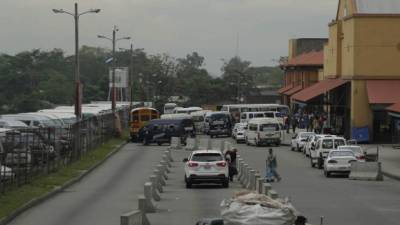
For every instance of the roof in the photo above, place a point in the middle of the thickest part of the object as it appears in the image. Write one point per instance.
(312, 58)
(143, 108)
(394, 108)
(286, 88)
(378, 6)
(293, 90)
(383, 91)
(207, 151)
(318, 89)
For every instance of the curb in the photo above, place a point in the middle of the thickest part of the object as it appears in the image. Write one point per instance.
(390, 175)
(56, 190)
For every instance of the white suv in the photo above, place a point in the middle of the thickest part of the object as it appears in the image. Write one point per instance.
(206, 166)
(323, 146)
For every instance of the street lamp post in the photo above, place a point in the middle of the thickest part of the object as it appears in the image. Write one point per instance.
(76, 15)
(113, 40)
(130, 83)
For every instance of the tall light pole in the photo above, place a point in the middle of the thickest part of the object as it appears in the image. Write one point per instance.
(114, 60)
(130, 83)
(78, 94)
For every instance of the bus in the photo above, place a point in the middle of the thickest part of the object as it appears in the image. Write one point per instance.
(139, 118)
(237, 109)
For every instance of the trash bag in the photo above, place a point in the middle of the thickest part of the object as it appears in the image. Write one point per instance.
(255, 209)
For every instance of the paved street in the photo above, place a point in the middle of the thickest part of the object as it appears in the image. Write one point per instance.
(113, 188)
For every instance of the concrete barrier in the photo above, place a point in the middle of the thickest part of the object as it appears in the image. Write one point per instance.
(273, 194)
(165, 158)
(163, 173)
(240, 169)
(251, 182)
(266, 188)
(135, 217)
(165, 166)
(142, 209)
(154, 188)
(260, 182)
(255, 183)
(245, 173)
(160, 179)
(169, 154)
(371, 171)
(149, 206)
(191, 144)
(176, 143)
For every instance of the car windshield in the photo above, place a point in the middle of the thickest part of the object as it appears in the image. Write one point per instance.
(207, 157)
(327, 144)
(341, 153)
(269, 127)
(355, 149)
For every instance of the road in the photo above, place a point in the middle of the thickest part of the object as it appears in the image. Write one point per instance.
(112, 189)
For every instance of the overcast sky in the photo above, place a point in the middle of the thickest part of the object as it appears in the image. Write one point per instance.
(176, 27)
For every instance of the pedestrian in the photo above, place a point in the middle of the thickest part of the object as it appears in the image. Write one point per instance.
(230, 157)
(271, 165)
(295, 123)
(316, 125)
(287, 124)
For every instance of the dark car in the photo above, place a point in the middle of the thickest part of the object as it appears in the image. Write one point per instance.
(219, 123)
(162, 130)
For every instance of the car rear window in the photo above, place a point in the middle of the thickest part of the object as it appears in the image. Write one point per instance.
(207, 157)
(269, 127)
(341, 153)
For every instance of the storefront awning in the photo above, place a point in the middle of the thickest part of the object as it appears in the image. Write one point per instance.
(394, 110)
(318, 89)
(293, 90)
(383, 91)
(284, 89)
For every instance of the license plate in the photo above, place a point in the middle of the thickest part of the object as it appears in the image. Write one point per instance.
(207, 167)
(342, 168)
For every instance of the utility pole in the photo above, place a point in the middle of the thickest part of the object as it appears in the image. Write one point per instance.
(131, 79)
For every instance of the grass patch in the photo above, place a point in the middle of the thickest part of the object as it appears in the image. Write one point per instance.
(39, 186)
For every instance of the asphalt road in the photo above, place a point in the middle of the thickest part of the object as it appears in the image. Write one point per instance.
(102, 196)
(112, 189)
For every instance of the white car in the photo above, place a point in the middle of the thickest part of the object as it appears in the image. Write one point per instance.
(206, 166)
(322, 148)
(238, 132)
(6, 173)
(339, 161)
(357, 150)
(299, 140)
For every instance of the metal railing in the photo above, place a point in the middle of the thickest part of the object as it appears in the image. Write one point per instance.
(26, 154)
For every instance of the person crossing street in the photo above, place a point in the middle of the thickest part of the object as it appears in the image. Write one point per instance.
(271, 165)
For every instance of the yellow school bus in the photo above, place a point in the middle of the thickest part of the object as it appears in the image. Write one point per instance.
(139, 118)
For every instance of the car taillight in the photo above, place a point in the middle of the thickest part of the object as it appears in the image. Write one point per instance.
(221, 164)
(360, 157)
(193, 164)
(332, 161)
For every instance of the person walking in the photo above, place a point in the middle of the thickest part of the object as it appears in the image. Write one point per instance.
(271, 165)
(230, 157)
(287, 124)
(295, 123)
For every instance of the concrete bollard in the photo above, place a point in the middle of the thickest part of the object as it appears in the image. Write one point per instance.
(161, 168)
(165, 165)
(165, 158)
(191, 144)
(176, 143)
(155, 187)
(273, 194)
(169, 154)
(266, 188)
(252, 180)
(241, 172)
(256, 177)
(141, 208)
(259, 188)
(160, 179)
(245, 172)
(239, 168)
(135, 217)
(149, 206)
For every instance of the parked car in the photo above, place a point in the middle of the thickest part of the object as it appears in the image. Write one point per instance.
(299, 140)
(238, 128)
(206, 166)
(263, 131)
(322, 148)
(357, 150)
(12, 124)
(339, 161)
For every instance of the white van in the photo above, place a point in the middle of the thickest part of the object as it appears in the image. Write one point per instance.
(246, 116)
(276, 115)
(263, 131)
(198, 118)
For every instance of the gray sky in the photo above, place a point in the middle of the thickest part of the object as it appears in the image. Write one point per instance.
(176, 27)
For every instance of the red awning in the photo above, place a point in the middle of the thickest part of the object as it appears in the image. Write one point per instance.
(318, 89)
(293, 90)
(284, 89)
(394, 108)
(383, 91)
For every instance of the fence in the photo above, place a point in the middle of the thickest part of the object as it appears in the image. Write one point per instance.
(26, 154)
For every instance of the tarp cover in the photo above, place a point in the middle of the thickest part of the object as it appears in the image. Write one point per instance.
(256, 209)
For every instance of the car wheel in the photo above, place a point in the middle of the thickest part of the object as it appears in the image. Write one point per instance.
(292, 148)
(327, 174)
(237, 141)
(159, 143)
(225, 184)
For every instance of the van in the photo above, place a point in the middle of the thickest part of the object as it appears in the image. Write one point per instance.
(322, 147)
(275, 115)
(263, 131)
(246, 116)
(218, 123)
(198, 118)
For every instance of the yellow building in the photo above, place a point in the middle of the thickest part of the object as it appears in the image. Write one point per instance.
(363, 54)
